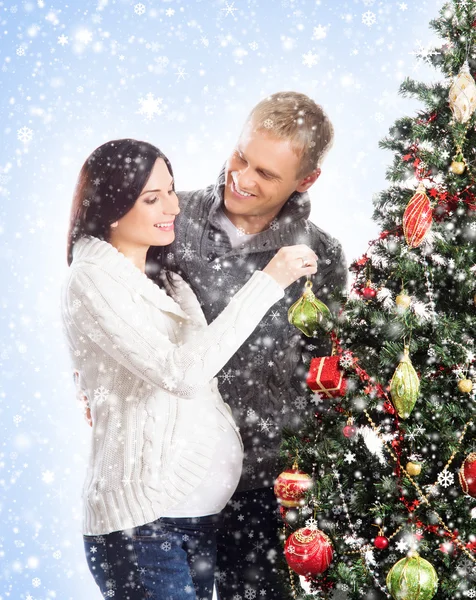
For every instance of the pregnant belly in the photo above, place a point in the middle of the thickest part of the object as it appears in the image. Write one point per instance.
(221, 480)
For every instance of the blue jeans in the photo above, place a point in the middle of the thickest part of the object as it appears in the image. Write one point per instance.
(168, 559)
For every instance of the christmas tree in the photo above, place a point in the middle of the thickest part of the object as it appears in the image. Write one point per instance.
(391, 449)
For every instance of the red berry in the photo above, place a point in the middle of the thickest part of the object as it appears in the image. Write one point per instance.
(381, 542)
(368, 293)
(349, 431)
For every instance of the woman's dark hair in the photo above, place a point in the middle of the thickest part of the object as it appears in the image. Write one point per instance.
(109, 184)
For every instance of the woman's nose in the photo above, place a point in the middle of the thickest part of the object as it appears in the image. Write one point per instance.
(172, 205)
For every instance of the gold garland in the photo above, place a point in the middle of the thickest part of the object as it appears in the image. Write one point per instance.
(462, 477)
(457, 541)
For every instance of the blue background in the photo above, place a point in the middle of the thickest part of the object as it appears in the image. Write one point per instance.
(202, 66)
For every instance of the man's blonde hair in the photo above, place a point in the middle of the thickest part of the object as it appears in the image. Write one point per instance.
(295, 117)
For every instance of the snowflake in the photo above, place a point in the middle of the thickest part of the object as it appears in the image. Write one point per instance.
(274, 226)
(163, 61)
(446, 479)
(181, 73)
(227, 376)
(346, 361)
(57, 554)
(309, 59)
(319, 33)
(170, 12)
(369, 19)
(264, 425)
(95, 335)
(402, 6)
(62, 40)
(471, 593)
(188, 589)
(254, 46)
(166, 546)
(267, 123)
(258, 360)
(149, 106)
(473, 225)
(93, 549)
(349, 457)
(431, 352)
(101, 394)
(300, 403)
(20, 51)
(17, 419)
(217, 267)
(24, 134)
(401, 546)
(169, 383)
(139, 9)
(424, 53)
(186, 251)
(84, 36)
(311, 523)
(237, 597)
(229, 9)
(274, 315)
(36, 582)
(48, 476)
(250, 594)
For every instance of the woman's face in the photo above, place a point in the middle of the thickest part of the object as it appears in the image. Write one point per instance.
(150, 222)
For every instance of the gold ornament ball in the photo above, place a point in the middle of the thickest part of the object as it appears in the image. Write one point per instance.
(457, 167)
(465, 386)
(403, 301)
(413, 469)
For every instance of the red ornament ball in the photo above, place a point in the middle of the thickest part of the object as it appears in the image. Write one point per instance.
(467, 475)
(291, 486)
(368, 293)
(308, 551)
(349, 431)
(381, 542)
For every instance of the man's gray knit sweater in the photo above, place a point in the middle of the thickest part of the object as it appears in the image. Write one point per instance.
(264, 382)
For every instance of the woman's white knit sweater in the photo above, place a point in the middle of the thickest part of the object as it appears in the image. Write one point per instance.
(146, 363)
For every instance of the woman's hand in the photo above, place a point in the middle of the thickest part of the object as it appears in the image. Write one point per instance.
(291, 263)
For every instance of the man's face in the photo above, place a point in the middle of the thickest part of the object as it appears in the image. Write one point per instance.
(260, 175)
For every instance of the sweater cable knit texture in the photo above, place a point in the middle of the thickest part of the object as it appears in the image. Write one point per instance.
(147, 361)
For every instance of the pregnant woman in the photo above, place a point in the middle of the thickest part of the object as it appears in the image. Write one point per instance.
(165, 454)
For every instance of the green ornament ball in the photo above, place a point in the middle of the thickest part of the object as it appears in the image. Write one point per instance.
(412, 578)
(309, 314)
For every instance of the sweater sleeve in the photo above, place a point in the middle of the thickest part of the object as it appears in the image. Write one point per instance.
(106, 311)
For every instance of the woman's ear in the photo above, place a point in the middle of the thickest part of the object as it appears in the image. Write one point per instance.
(306, 183)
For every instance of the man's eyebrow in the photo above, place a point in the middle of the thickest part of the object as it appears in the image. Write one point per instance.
(149, 191)
(260, 169)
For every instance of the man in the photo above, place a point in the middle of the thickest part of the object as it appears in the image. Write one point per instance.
(224, 233)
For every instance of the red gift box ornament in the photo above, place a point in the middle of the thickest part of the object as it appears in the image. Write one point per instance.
(417, 218)
(326, 377)
(467, 475)
(308, 551)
